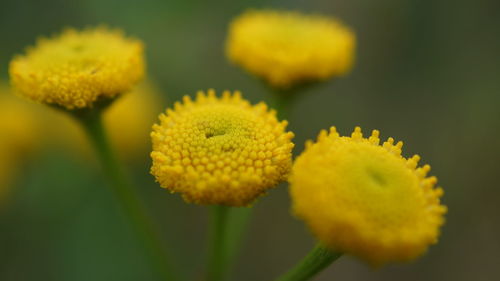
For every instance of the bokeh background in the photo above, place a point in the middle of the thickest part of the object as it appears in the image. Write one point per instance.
(427, 72)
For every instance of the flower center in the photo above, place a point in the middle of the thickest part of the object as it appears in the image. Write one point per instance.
(214, 133)
(377, 183)
(221, 129)
(377, 176)
(77, 48)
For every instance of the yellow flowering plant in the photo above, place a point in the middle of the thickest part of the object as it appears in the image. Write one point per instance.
(290, 51)
(220, 150)
(75, 69)
(364, 198)
(357, 196)
(223, 152)
(82, 72)
(288, 48)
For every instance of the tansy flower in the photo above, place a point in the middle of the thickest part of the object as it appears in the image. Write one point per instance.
(77, 68)
(365, 199)
(220, 150)
(287, 48)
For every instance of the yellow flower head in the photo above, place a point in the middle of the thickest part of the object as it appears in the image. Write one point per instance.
(287, 48)
(76, 68)
(365, 199)
(220, 150)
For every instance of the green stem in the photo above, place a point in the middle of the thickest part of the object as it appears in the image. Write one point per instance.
(282, 103)
(125, 193)
(229, 224)
(238, 224)
(318, 259)
(282, 100)
(218, 255)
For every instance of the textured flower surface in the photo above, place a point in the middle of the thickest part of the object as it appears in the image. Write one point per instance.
(365, 199)
(287, 48)
(76, 68)
(220, 150)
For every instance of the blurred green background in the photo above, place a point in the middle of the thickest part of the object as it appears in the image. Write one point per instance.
(427, 73)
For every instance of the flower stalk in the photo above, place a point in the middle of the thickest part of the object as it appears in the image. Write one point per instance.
(228, 226)
(125, 194)
(282, 102)
(218, 252)
(318, 259)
